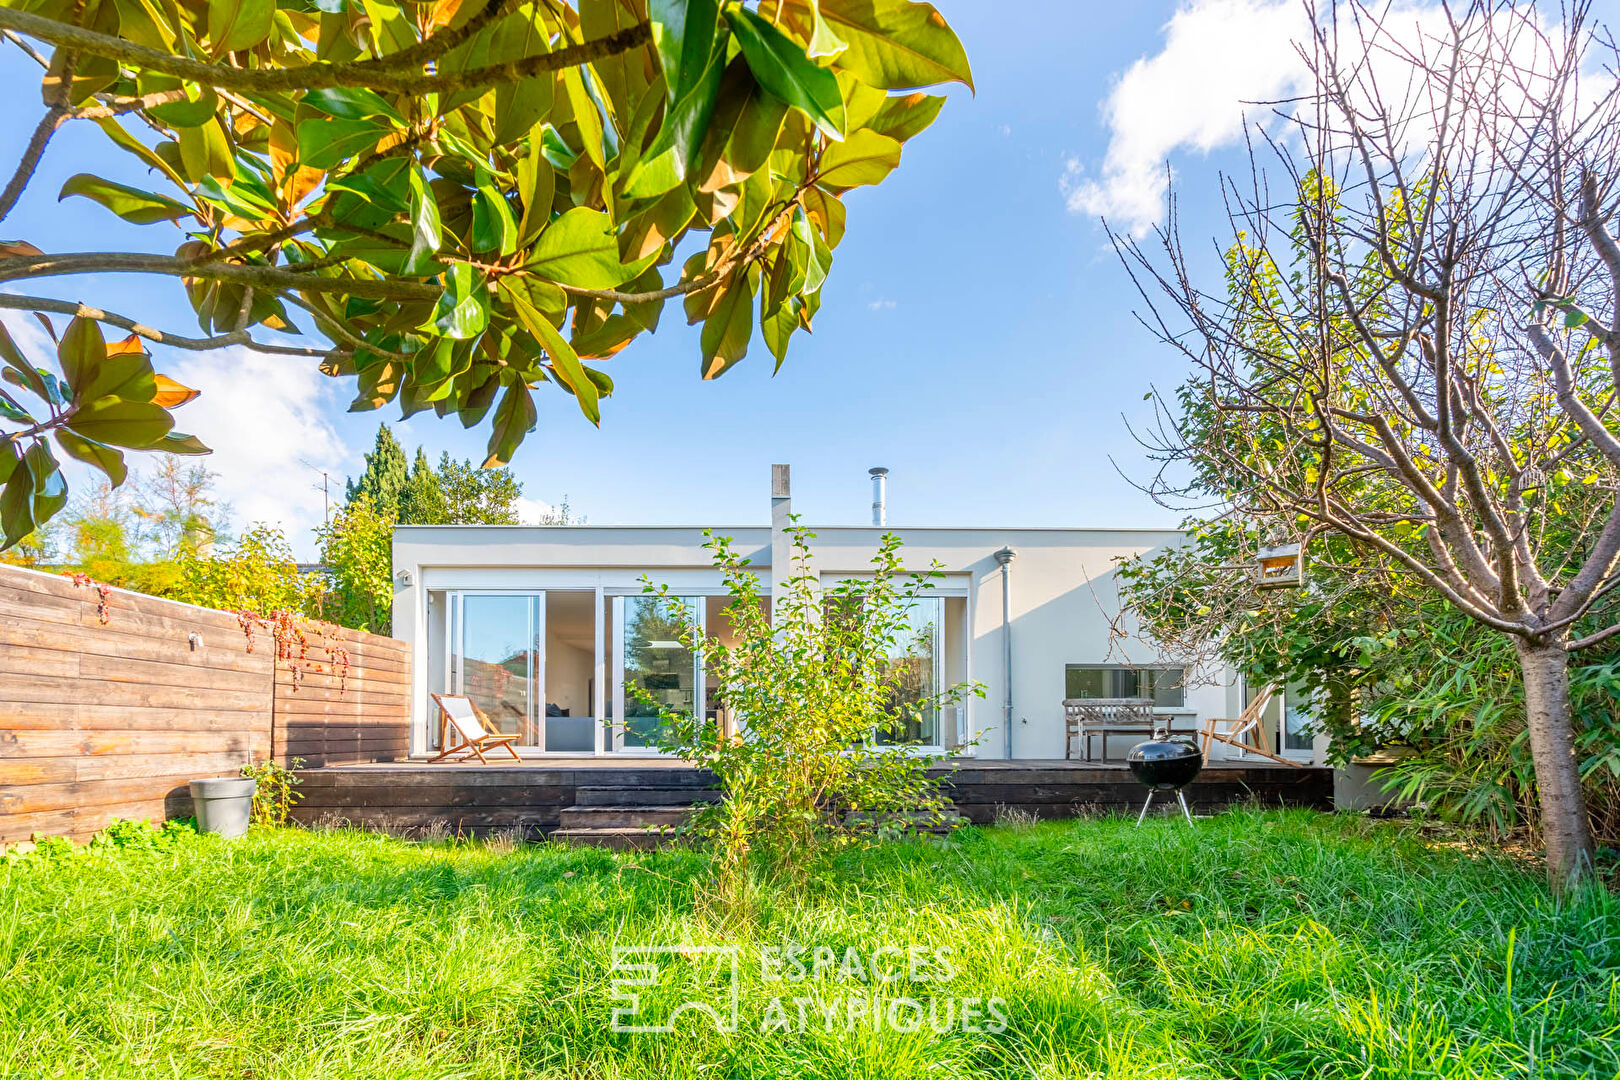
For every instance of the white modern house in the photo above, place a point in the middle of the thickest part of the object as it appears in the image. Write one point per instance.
(545, 627)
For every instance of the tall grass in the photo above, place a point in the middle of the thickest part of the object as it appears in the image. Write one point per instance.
(1256, 945)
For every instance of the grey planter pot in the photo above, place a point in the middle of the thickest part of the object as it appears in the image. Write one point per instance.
(224, 804)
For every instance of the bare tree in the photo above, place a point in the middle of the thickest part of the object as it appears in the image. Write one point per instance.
(1416, 344)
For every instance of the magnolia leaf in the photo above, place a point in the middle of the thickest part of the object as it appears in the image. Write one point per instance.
(777, 321)
(10, 410)
(493, 228)
(17, 500)
(106, 458)
(239, 24)
(730, 325)
(350, 103)
(536, 185)
(12, 249)
(586, 115)
(818, 256)
(425, 232)
(782, 67)
(170, 394)
(570, 371)
(864, 158)
(824, 44)
(744, 129)
(691, 48)
(463, 310)
(828, 213)
(204, 151)
(81, 353)
(131, 204)
(580, 249)
(50, 488)
(324, 143)
(683, 33)
(897, 44)
(556, 150)
(197, 107)
(136, 425)
(902, 117)
(514, 418)
(176, 442)
(18, 369)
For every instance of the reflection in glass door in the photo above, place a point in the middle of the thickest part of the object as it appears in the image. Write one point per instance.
(494, 659)
(653, 670)
(916, 664)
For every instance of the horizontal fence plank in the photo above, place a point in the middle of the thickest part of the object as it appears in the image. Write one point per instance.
(27, 744)
(72, 769)
(47, 688)
(76, 640)
(37, 798)
(73, 716)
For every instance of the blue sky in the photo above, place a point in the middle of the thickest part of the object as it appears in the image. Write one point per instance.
(976, 335)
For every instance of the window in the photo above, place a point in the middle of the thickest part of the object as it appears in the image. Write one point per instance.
(1162, 684)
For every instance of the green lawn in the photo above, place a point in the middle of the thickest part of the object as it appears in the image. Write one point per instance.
(1257, 945)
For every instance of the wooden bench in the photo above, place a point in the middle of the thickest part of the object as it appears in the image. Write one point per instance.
(1085, 717)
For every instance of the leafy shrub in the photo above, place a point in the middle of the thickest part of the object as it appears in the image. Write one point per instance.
(276, 792)
(119, 835)
(828, 704)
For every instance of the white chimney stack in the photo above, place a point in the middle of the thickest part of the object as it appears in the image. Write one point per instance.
(880, 495)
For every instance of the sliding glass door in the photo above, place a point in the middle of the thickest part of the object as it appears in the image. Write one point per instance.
(495, 656)
(916, 672)
(529, 661)
(654, 670)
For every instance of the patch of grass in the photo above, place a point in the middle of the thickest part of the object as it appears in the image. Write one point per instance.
(1256, 945)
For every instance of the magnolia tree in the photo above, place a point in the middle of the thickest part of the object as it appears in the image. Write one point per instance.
(466, 200)
(1415, 349)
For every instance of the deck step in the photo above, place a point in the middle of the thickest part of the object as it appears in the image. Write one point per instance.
(643, 796)
(614, 817)
(617, 839)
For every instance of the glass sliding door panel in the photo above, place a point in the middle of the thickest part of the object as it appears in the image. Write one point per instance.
(496, 658)
(659, 672)
(1298, 738)
(570, 670)
(916, 671)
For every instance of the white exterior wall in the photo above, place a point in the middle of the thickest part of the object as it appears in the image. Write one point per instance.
(1063, 596)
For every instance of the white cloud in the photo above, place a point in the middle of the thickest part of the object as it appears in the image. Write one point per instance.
(1217, 54)
(264, 417)
(881, 305)
(1221, 63)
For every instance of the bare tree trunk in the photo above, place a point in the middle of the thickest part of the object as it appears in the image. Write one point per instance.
(1545, 667)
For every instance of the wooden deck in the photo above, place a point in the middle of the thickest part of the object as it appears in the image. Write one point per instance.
(537, 795)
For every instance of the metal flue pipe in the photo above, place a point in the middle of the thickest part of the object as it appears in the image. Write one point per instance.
(880, 495)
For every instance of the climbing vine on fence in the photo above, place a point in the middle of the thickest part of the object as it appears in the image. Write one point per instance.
(291, 632)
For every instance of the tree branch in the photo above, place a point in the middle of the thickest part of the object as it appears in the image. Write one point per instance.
(68, 307)
(382, 73)
(270, 278)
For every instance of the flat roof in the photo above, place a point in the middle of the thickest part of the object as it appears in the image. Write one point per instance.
(835, 528)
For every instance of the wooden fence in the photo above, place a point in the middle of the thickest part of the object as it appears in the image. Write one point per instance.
(110, 715)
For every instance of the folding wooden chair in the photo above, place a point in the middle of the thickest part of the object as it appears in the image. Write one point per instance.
(461, 715)
(1247, 732)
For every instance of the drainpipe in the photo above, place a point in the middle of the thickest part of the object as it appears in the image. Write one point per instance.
(1004, 558)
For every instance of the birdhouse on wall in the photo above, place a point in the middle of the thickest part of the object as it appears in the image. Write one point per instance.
(1281, 566)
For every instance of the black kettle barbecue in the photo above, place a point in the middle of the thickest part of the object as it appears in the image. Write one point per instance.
(1165, 764)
